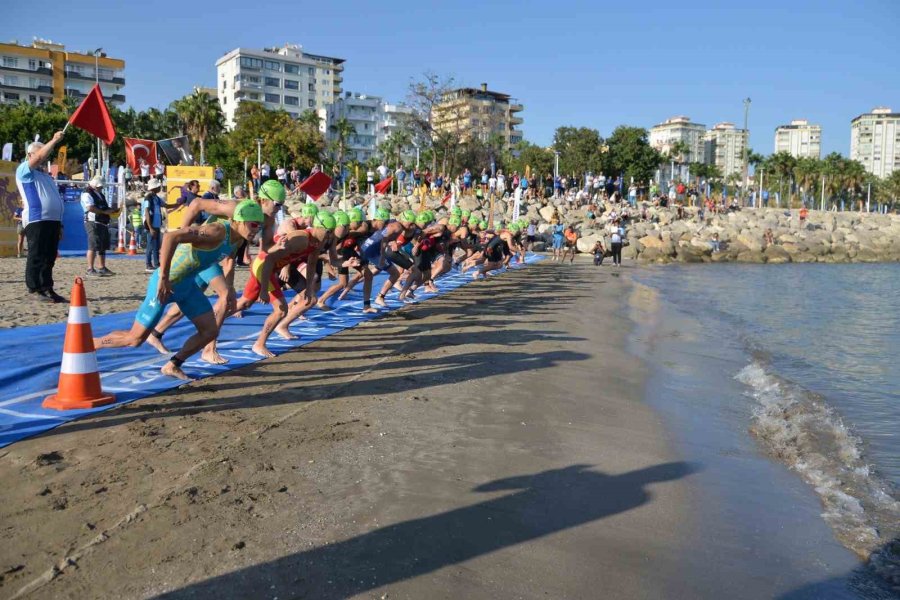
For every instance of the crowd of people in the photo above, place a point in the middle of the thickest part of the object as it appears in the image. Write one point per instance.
(299, 254)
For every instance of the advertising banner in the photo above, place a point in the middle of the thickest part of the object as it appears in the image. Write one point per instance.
(177, 151)
(176, 177)
(9, 202)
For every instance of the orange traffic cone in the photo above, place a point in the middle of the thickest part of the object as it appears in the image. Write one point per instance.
(132, 249)
(79, 377)
(121, 247)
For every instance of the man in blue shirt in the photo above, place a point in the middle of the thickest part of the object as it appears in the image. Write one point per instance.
(42, 215)
(151, 213)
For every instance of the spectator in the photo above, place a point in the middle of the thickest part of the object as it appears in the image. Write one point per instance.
(716, 245)
(219, 174)
(598, 252)
(213, 192)
(382, 172)
(151, 211)
(295, 177)
(281, 175)
(370, 181)
(20, 232)
(159, 171)
(129, 176)
(265, 172)
(255, 177)
(137, 227)
(96, 225)
(145, 171)
(42, 218)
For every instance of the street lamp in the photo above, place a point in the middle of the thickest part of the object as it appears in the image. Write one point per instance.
(555, 165)
(96, 54)
(746, 142)
(413, 142)
(259, 142)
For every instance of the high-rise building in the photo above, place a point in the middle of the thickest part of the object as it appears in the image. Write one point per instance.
(724, 147)
(471, 112)
(45, 72)
(373, 121)
(799, 139)
(394, 118)
(285, 78)
(875, 141)
(679, 129)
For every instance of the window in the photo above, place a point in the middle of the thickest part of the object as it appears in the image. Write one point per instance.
(11, 80)
(273, 98)
(11, 96)
(273, 66)
(32, 99)
(11, 61)
(292, 100)
(273, 82)
(311, 70)
(32, 64)
(311, 103)
(290, 84)
(312, 87)
(254, 96)
(292, 69)
(251, 63)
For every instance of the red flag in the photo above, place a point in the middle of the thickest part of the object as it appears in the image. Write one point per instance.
(447, 197)
(383, 186)
(93, 117)
(135, 150)
(316, 184)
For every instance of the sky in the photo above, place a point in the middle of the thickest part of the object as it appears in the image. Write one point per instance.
(595, 64)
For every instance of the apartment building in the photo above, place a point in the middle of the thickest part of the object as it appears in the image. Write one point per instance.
(478, 113)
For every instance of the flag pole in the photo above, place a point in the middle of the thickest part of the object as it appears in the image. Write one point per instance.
(66, 127)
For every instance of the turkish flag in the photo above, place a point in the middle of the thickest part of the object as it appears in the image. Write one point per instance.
(316, 184)
(93, 117)
(384, 186)
(135, 150)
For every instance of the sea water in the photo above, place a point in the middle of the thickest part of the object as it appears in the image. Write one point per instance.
(798, 364)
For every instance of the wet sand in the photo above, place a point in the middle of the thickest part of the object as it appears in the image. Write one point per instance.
(489, 443)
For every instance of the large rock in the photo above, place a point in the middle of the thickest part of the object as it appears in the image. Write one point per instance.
(547, 213)
(776, 255)
(751, 242)
(586, 243)
(651, 241)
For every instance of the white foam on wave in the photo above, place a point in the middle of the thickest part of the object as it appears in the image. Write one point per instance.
(798, 428)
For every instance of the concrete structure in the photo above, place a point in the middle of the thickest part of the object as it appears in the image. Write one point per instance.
(45, 72)
(280, 78)
(471, 112)
(679, 129)
(875, 141)
(799, 139)
(724, 147)
(373, 121)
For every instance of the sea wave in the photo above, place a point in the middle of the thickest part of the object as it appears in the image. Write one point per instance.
(801, 430)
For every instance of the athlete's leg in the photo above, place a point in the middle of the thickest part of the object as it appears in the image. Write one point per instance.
(206, 331)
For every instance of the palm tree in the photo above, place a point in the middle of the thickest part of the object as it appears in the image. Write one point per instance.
(309, 118)
(343, 129)
(781, 165)
(398, 140)
(806, 173)
(201, 116)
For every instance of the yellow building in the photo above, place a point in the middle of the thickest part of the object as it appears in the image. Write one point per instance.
(45, 72)
(474, 113)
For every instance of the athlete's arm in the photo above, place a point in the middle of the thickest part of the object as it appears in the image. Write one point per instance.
(216, 208)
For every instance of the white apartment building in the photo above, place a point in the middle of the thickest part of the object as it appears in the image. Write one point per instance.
(679, 129)
(285, 78)
(724, 147)
(875, 141)
(799, 139)
(373, 121)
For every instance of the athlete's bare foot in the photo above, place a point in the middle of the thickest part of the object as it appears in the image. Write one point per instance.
(262, 351)
(213, 357)
(158, 344)
(238, 315)
(430, 287)
(343, 295)
(379, 300)
(323, 306)
(285, 333)
(169, 369)
(369, 309)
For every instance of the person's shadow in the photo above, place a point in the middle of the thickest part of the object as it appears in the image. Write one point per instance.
(544, 503)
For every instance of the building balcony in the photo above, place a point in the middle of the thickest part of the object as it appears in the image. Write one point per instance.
(515, 107)
(41, 89)
(516, 120)
(82, 77)
(38, 71)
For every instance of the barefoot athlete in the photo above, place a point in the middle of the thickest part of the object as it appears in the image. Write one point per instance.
(367, 274)
(358, 231)
(220, 277)
(184, 254)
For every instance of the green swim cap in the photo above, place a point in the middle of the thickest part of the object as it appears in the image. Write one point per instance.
(248, 210)
(484, 224)
(408, 216)
(382, 214)
(272, 190)
(514, 227)
(455, 221)
(430, 214)
(423, 219)
(466, 214)
(325, 220)
(356, 215)
(308, 210)
(341, 218)
(456, 211)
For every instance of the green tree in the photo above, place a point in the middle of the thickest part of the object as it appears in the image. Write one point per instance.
(580, 150)
(807, 171)
(201, 116)
(631, 155)
(342, 129)
(285, 140)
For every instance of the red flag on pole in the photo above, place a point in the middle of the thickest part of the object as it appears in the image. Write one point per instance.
(316, 184)
(93, 117)
(447, 197)
(135, 150)
(383, 186)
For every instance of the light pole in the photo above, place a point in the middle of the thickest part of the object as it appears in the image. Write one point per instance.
(746, 169)
(259, 142)
(555, 166)
(96, 54)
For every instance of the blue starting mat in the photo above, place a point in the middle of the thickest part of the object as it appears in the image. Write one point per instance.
(133, 373)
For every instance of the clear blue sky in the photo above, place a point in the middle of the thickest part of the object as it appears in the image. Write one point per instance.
(826, 61)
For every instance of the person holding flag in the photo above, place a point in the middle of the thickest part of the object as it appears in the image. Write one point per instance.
(42, 219)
